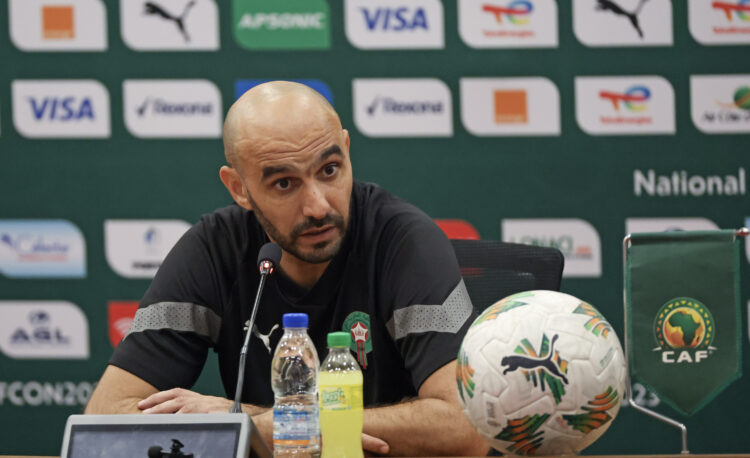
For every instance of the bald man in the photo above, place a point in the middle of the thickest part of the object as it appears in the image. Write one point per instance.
(354, 258)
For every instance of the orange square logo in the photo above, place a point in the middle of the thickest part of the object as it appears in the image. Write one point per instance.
(511, 107)
(57, 22)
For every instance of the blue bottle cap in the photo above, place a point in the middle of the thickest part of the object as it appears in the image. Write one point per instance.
(295, 320)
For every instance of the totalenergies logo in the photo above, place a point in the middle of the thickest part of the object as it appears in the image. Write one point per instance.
(634, 98)
(517, 12)
(741, 8)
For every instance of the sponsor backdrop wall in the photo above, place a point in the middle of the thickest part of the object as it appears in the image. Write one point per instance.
(562, 123)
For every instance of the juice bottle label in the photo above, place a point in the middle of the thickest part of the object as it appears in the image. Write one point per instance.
(344, 397)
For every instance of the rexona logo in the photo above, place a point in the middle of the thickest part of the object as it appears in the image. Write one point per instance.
(623, 22)
(58, 25)
(719, 22)
(575, 238)
(625, 105)
(41, 249)
(61, 108)
(510, 106)
(747, 252)
(287, 24)
(43, 330)
(136, 248)
(395, 24)
(120, 316)
(411, 107)
(720, 104)
(684, 330)
(636, 225)
(174, 25)
(172, 108)
(508, 23)
(242, 86)
(679, 183)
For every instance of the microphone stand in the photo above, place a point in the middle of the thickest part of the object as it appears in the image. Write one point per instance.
(266, 267)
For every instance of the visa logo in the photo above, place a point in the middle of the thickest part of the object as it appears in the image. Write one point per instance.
(62, 109)
(395, 19)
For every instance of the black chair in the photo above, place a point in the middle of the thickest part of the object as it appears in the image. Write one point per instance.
(493, 270)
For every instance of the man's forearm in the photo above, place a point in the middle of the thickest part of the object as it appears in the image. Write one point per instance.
(101, 406)
(424, 427)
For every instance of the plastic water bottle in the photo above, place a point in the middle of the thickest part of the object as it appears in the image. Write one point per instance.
(340, 385)
(294, 370)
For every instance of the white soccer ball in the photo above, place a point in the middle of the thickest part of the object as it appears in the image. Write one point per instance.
(541, 373)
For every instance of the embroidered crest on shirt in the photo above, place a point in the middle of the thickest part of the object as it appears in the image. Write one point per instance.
(358, 325)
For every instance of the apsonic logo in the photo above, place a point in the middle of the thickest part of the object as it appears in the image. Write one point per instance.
(172, 108)
(395, 24)
(35, 394)
(174, 25)
(58, 25)
(136, 248)
(747, 252)
(120, 316)
(242, 86)
(409, 107)
(622, 105)
(291, 24)
(575, 238)
(61, 108)
(720, 104)
(508, 23)
(43, 330)
(41, 249)
(636, 225)
(719, 22)
(623, 22)
(684, 329)
(510, 106)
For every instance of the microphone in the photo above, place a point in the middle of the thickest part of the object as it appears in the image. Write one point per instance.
(268, 257)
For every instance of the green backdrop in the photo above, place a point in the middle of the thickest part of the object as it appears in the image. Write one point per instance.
(480, 180)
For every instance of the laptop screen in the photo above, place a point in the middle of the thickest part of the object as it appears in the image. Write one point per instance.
(215, 440)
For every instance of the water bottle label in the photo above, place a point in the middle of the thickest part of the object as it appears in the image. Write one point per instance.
(295, 425)
(340, 397)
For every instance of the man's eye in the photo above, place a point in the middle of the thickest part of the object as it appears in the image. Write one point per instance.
(330, 169)
(283, 183)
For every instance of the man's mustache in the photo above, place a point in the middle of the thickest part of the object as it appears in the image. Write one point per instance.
(312, 223)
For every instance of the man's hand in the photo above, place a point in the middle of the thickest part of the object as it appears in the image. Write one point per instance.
(180, 400)
(374, 445)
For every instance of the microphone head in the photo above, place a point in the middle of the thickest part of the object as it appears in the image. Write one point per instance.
(270, 252)
(154, 451)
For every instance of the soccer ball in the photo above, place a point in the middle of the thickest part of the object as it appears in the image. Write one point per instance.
(541, 373)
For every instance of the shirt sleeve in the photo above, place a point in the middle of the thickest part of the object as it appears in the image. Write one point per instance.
(424, 294)
(178, 319)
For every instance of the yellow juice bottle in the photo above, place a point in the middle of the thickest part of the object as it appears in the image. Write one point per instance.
(340, 399)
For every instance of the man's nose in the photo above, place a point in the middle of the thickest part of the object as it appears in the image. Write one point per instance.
(315, 204)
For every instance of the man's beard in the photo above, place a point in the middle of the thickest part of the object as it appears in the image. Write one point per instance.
(321, 252)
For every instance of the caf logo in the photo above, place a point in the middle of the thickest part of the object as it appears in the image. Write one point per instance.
(684, 330)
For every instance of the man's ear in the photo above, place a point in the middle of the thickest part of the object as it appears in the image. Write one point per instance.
(233, 182)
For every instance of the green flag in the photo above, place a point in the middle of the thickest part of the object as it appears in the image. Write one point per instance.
(683, 314)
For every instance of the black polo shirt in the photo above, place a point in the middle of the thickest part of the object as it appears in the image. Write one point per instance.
(395, 285)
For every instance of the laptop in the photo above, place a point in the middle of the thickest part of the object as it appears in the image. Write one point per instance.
(161, 436)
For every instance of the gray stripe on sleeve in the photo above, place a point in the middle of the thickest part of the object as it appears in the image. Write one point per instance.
(179, 316)
(446, 317)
